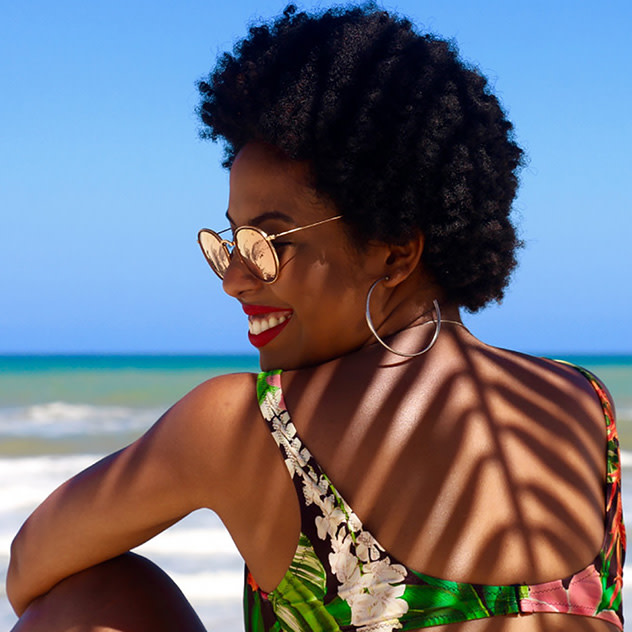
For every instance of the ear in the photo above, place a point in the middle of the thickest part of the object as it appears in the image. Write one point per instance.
(402, 259)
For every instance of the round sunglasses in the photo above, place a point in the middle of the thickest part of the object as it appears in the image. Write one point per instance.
(253, 246)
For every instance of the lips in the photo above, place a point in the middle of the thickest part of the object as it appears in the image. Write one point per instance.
(265, 323)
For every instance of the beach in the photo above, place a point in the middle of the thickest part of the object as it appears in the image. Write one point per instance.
(59, 414)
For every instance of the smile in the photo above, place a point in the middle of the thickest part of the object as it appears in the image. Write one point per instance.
(258, 324)
(265, 323)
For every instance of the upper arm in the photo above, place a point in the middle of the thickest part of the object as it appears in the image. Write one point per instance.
(183, 462)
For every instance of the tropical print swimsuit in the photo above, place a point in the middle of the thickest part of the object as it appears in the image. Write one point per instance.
(342, 579)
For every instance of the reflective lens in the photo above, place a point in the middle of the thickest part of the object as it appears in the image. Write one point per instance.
(253, 246)
(257, 253)
(215, 251)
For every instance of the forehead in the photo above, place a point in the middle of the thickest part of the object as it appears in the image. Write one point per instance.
(262, 181)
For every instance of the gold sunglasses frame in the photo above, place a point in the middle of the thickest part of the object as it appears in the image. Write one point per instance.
(225, 244)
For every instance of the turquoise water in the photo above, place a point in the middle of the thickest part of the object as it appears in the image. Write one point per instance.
(139, 380)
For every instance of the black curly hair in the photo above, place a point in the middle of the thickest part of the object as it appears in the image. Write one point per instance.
(401, 135)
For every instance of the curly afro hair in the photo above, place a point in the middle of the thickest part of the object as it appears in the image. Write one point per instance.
(400, 133)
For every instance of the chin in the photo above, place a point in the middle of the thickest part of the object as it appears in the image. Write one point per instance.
(271, 361)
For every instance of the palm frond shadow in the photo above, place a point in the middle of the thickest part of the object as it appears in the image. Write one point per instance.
(489, 472)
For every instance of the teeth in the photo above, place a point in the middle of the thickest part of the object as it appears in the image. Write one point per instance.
(259, 324)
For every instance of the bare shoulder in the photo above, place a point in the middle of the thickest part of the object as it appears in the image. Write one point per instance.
(538, 378)
(206, 430)
(550, 401)
(218, 402)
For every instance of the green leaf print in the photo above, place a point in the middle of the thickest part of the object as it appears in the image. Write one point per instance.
(444, 599)
(263, 385)
(340, 610)
(436, 594)
(253, 615)
(500, 599)
(298, 599)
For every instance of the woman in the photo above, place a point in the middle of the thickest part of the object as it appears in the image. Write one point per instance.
(426, 479)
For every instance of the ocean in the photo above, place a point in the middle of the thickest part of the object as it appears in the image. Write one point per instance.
(59, 414)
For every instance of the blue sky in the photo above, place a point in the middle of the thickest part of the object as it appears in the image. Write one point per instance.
(104, 182)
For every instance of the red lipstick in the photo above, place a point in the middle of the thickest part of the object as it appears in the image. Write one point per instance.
(255, 310)
(263, 338)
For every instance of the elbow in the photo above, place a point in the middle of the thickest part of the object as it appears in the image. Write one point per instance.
(15, 585)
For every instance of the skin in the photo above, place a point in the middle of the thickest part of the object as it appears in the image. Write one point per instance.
(469, 463)
(323, 279)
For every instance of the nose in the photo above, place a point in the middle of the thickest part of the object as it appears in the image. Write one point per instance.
(238, 280)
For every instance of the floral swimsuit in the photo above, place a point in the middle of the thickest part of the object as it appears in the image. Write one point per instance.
(342, 579)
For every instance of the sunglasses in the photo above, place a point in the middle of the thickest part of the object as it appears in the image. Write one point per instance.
(253, 246)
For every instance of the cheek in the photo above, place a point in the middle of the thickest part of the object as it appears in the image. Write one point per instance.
(336, 315)
(327, 291)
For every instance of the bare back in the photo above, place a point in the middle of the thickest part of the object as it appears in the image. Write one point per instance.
(470, 464)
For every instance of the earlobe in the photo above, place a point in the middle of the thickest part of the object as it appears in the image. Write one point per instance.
(402, 260)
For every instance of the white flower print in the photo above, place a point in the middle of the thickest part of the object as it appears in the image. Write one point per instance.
(354, 522)
(284, 433)
(376, 599)
(382, 626)
(380, 605)
(289, 463)
(311, 492)
(368, 588)
(280, 423)
(323, 484)
(343, 563)
(272, 403)
(332, 517)
(300, 457)
(382, 572)
(367, 547)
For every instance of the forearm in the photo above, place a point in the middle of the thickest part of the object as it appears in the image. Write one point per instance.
(95, 516)
(26, 581)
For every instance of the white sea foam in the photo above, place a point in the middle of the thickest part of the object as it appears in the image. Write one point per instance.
(195, 541)
(25, 482)
(210, 586)
(626, 458)
(59, 419)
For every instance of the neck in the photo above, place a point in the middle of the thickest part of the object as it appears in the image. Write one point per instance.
(408, 305)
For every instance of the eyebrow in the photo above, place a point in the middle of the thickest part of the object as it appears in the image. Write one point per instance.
(268, 215)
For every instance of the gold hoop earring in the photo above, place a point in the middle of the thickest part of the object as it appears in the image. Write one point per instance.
(369, 322)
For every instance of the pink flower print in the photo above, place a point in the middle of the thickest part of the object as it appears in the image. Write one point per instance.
(274, 379)
(276, 392)
(582, 596)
